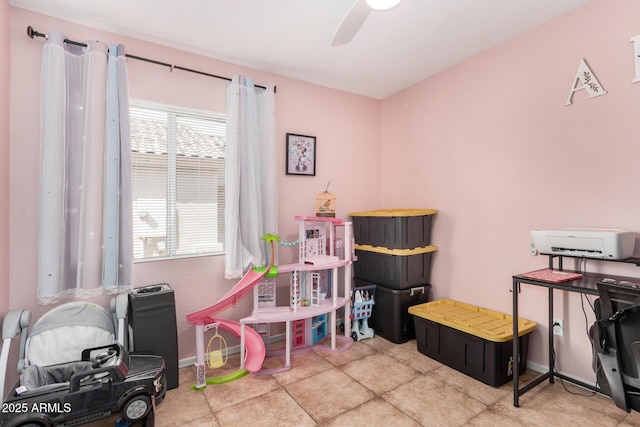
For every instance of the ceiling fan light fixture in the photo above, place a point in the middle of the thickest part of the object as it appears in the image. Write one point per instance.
(382, 4)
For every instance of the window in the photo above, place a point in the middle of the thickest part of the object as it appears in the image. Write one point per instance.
(177, 180)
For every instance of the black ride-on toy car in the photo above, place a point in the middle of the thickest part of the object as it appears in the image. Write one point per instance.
(107, 380)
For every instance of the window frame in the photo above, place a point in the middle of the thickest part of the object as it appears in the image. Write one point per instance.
(177, 110)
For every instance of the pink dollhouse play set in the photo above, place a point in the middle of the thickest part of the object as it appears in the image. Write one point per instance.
(325, 253)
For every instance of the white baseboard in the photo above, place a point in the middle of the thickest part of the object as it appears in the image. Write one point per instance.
(537, 367)
(544, 369)
(190, 361)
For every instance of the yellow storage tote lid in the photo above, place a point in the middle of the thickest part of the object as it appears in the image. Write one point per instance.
(480, 322)
(399, 252)
(396, 212)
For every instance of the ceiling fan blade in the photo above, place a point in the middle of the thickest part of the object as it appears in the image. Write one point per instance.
(351, 23)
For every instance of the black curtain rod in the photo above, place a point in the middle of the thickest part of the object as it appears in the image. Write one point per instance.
(33, 33)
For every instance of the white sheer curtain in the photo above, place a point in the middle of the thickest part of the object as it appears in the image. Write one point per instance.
(78, 188)
(251, 166)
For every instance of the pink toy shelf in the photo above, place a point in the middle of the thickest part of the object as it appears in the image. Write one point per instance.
(323, 257)
(311, 311)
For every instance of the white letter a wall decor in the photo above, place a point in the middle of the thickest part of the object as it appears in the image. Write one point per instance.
(588, 81)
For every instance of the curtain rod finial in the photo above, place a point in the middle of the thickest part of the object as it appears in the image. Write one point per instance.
(33, 33)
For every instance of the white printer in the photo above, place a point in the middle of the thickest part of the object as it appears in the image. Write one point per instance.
(585, 242)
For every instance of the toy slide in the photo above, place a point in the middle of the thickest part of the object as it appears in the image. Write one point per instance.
(256, 351)
(252, 341)
(243, 287)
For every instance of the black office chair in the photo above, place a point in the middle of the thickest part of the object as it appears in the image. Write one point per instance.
(615, 338)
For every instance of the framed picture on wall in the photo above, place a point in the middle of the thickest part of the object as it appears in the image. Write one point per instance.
(301, 154)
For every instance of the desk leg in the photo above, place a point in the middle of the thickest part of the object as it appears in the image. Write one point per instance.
(516, 345)
(550, 374)
(551, 335)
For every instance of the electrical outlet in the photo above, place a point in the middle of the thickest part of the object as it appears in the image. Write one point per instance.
(558, 327)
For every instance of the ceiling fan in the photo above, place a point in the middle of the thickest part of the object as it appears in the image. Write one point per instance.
(356, 16)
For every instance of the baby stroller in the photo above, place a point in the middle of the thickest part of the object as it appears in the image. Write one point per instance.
(75, 368)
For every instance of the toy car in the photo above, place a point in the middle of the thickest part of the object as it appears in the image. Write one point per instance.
(107, 380)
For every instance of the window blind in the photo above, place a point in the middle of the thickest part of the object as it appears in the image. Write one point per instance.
(178, 162)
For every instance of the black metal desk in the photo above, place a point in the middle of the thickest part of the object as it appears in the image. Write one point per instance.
(585, 285)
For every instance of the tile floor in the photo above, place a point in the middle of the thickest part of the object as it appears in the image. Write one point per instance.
(377, 383)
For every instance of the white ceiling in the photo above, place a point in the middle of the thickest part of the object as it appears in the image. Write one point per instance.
(292, 38)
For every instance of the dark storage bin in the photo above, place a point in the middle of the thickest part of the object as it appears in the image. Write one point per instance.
(390, 318)
(393, 268)
(393, 228)
(475, 341)
(152, 318)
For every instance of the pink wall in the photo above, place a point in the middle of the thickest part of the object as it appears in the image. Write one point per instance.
(345, 126)
(491, 145)
(5, 86)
